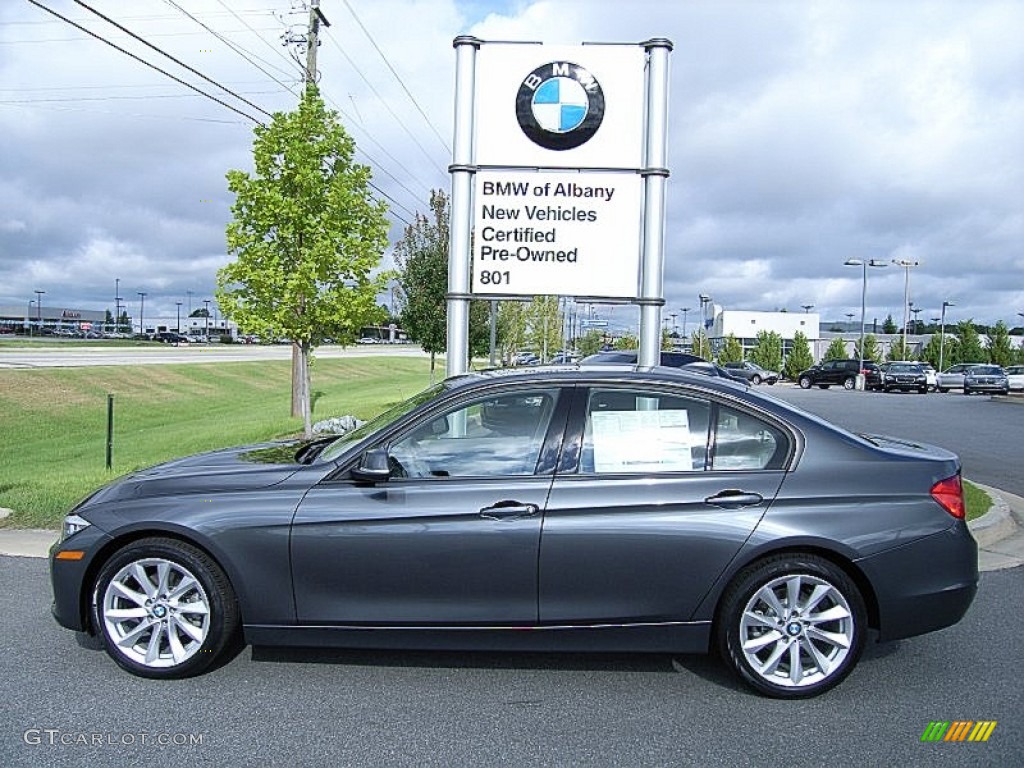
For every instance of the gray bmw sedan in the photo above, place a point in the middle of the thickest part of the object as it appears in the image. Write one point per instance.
(596, 509)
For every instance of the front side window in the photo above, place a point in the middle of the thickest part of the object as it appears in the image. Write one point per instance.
(630, 431)
(500, 435)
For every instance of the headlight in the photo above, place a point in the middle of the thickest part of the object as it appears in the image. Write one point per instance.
(72, 525)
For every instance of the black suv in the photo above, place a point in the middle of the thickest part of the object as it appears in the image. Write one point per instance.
(844, 372)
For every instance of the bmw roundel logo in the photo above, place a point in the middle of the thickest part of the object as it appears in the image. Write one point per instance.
(560, 105)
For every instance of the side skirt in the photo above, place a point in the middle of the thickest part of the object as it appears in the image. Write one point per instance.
(671, 637)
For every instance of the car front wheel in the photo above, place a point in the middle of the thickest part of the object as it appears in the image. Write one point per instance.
(164, 609)
(792, 626)
(849, 384)
(805, 383)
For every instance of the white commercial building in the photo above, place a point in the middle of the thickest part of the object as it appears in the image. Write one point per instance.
(746, 324)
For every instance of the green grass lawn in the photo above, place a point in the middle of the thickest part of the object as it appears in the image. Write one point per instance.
(977, 500)
(53, 421)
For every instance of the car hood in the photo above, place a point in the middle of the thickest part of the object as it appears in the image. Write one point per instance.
(229, 469)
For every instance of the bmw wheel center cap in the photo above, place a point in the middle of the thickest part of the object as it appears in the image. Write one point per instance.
(560, 105)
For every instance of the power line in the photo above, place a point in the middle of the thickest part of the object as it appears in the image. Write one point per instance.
(408, 93)
(245, 54)
(261, 38)
(387, 106)
(175, 59)
(143, 61)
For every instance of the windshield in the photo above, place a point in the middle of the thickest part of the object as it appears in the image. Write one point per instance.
(346, 441)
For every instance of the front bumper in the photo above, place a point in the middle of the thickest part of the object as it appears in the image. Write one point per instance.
(71, 579)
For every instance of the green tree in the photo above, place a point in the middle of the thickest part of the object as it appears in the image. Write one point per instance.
(512, 326)
(590, 343)
(969, 349)
(306, 235)
(667, 340)
(544, 326)
(700, 345)
(1000, 348)
(931, 351)
(767, 352)
(422, 259)
(799, 358)
(626, 341)
(731, 351)
(899, 351)
(872, 352)
(836, 349)
(889, 326)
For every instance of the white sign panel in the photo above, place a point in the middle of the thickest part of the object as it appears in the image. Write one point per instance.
(568, 234)
(642, 441)
(545, 106)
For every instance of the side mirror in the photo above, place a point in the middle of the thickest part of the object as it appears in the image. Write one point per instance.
(374, 467)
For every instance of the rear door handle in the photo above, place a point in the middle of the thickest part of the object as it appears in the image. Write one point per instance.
(509, 510)
(733, 499)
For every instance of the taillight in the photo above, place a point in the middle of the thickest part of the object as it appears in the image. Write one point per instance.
(950, 495)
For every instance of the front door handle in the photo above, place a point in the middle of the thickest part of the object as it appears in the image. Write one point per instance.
(509, 510)
(734, 499)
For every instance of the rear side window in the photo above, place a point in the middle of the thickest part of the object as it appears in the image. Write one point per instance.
(745, 442)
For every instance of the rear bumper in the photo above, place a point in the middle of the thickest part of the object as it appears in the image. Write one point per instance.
(914, 596)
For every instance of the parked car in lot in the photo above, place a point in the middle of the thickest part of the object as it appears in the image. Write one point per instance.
(600, 509)
(986, 378)
(752, 372)
(843, 372)
(1015, 377)
(953, 377)
(171, 337)
(904, 377)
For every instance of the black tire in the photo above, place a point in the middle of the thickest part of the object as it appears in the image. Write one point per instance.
(741, 601)
(755, 379)
(943, 390)
(923, 391)
(849, 383)
(805, 382)
(203, 617)
(967, 390)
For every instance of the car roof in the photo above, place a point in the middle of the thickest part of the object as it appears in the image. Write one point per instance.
(612, 373)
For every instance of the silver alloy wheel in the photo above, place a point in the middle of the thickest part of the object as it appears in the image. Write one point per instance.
(156, 612)
(796, 631)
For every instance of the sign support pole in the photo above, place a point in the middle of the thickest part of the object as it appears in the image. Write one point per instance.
(462, 171)
(655, 174)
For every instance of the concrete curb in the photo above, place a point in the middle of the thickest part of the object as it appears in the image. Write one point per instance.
(999, 533)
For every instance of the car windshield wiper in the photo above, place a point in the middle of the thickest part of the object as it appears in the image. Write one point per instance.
(308, 452)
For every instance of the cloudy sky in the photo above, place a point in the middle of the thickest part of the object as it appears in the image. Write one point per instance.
(802, 134)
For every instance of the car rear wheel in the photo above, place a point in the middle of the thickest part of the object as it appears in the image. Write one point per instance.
(805, 382)
(792, 626)
(755, 379)
(164, 609)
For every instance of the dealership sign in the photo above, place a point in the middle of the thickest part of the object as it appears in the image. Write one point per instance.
(556, 233)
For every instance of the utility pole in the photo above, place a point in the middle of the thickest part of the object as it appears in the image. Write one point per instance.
(312, 42)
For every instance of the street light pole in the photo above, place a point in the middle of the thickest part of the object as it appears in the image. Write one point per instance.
(685, 311)
(28, 316)
(142, 312)
(117, 304)
(178, 327)
(863, 264)
(906, 264)
(39, 310)
(807, 307)
(942, 332)
(207, 303)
